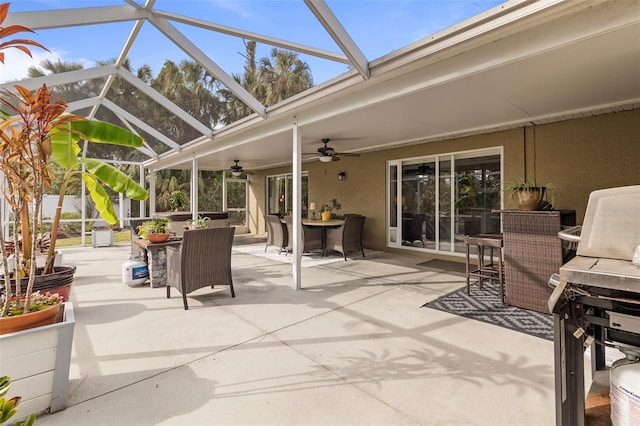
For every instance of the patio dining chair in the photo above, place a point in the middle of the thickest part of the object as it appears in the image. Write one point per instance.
(276, 232)
(346, 237)
(311, 237)
(203, 259)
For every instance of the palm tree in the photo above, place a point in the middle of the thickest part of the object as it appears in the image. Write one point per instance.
(269, 83)
(191, 87)
(69, 92)
(286, 76)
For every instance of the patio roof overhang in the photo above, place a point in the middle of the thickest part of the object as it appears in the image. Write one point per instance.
(523, 63)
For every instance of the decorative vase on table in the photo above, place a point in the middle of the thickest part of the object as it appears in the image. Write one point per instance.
(326, 216)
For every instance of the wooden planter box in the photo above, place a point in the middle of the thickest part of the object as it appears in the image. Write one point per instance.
(37, 360)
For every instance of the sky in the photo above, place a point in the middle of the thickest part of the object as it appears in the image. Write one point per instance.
(378, 27)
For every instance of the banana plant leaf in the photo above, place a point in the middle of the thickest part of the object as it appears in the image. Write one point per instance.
(100, 197)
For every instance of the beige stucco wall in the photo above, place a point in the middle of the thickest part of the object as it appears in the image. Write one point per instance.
(578, 156)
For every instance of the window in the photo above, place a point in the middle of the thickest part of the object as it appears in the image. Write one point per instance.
(435, 201)
(280, 194)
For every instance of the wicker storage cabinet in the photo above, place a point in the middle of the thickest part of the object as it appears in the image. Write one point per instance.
(532, 252)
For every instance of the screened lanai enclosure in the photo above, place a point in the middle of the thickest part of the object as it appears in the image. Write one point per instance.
(432, 104)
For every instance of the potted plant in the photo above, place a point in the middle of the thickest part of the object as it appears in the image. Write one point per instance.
(155, 230)
(530, 196)
(35, 133)
(199, 223)
(43, 310)
(326, 210)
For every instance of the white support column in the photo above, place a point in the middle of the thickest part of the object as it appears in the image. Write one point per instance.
(152, 192)
(194, 188)
(121, 208)
(83, 207)
(143, 206)
(297, 204)
(224, 191)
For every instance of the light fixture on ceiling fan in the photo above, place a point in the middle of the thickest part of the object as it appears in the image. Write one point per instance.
(236, 170)
(326, 153)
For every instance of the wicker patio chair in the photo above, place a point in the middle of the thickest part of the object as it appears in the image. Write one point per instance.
(311, 237)
(276, 232)
(346, 237)
(203, 259)
(532, 253)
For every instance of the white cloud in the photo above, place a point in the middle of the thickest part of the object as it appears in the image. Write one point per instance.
(16, 63)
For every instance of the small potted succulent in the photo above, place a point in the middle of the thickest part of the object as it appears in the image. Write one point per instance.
(199, 223)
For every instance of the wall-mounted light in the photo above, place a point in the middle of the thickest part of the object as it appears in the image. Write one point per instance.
(341, 175)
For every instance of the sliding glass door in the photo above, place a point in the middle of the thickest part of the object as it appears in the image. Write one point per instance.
(434, 201)
(280, 195)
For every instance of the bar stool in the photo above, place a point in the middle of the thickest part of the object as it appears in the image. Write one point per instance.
(486, 271)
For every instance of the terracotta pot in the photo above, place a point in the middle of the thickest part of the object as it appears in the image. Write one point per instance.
(30, 320)
(157, 238)
(326, 216)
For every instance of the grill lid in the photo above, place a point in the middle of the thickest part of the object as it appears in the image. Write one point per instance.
(611, 227)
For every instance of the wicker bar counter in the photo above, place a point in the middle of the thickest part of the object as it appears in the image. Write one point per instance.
(532, 253)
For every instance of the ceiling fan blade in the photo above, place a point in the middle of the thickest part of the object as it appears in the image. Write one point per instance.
(347, 154)
(335, 158)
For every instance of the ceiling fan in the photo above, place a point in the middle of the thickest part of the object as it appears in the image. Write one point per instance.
(236, 169)
(422, 169)
(326, 153)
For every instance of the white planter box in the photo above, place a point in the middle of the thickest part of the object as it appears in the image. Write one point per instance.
(101, 237)
(37, 360)
(40, 260)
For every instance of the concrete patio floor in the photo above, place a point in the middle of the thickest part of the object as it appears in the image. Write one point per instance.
(354, 347)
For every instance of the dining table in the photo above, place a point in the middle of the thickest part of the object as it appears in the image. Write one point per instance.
(333, 223)
(157, 259)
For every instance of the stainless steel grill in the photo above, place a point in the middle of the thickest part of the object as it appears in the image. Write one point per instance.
(596, 302)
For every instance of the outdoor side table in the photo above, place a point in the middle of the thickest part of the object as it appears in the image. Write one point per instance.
(157, 259)
(485, 244)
